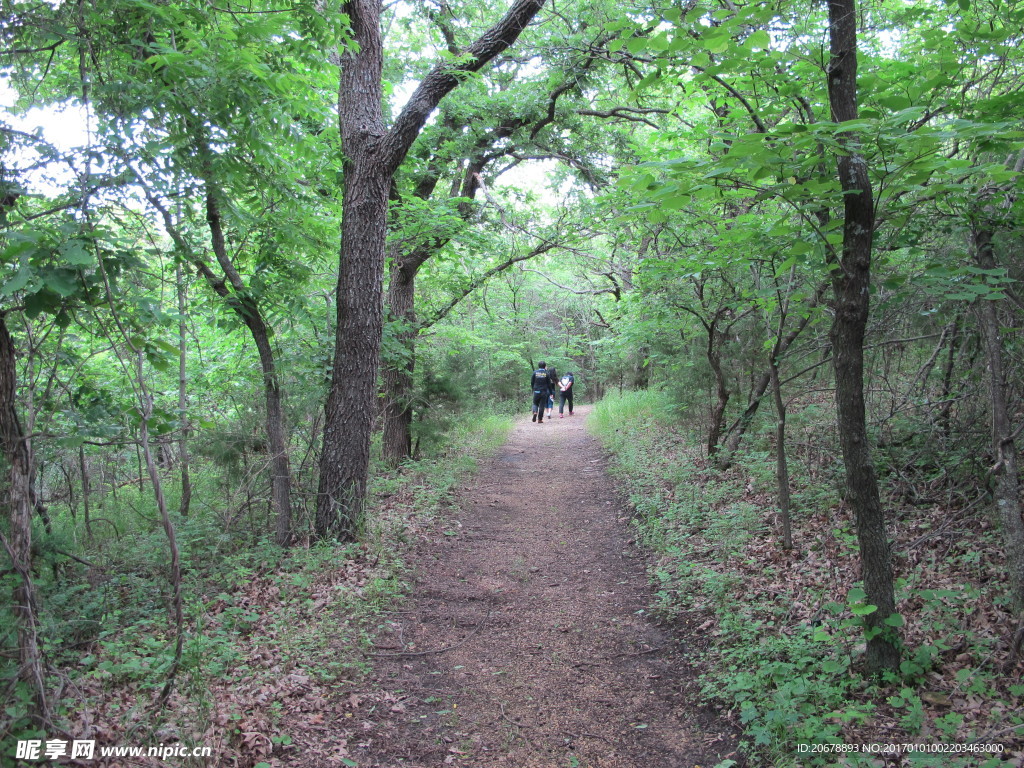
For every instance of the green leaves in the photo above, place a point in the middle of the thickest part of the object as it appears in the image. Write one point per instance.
(855, 598)
(45, 268)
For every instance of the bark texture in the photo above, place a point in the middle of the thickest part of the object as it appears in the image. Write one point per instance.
(851, 279)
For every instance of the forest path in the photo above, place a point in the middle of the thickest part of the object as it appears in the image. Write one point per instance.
(542, 602)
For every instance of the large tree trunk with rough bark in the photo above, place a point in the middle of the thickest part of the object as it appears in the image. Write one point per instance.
(851, 282)
(1004, 448)
(372, 155)
(17, 460)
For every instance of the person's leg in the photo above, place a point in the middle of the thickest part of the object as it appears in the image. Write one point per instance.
(569, 398)
(538, 406)
(561, 404)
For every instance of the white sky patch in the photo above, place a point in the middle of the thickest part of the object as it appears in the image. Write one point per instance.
(64, 127)
(534, 176)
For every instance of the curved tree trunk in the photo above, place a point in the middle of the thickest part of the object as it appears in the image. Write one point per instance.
(245, 306)
(247, 309)
(851, 282)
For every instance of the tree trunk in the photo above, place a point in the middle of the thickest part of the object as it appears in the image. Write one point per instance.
(372, 155)
(736, 432)
(946, 393)
(1004, 449)
(85, 491)
(17, 455)
(186, 479)
(398, 376)
(241, 301)
(781, 465)
(851, 282)
(348, 424)
(72, 502)
(153, 470)
(714, 355)
(248, 310)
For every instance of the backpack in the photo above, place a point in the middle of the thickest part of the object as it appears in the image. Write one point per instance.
(565, 383)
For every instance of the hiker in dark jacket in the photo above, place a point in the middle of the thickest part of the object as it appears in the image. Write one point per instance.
(541, 387)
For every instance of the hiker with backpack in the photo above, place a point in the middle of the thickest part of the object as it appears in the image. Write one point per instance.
(565, 394)
(542, 388)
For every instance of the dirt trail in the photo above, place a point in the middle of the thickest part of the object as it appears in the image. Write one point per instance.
(542, 603)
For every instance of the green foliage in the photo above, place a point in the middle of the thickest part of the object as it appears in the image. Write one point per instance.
(786, 681)
(789, 689)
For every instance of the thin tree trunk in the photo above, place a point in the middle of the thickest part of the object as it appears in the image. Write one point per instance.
(851, 282)
(396, 443)
(172, 541)
(186, 479)
(946, 393)
(145, 403)
(247, 309)
(722, 394)
(85, 491)
(139, 464)
(1004, 449)
(72, 502)
(17, 454)
(781, 465)
(738, 430)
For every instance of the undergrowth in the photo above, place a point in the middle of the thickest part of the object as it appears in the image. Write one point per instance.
(269, 632)
(787, 644)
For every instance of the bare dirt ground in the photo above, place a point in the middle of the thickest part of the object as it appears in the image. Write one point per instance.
(527, 641)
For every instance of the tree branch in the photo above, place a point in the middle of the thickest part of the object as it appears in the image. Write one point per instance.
(445, 76)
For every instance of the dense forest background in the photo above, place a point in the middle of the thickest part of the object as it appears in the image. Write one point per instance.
(274, 274)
